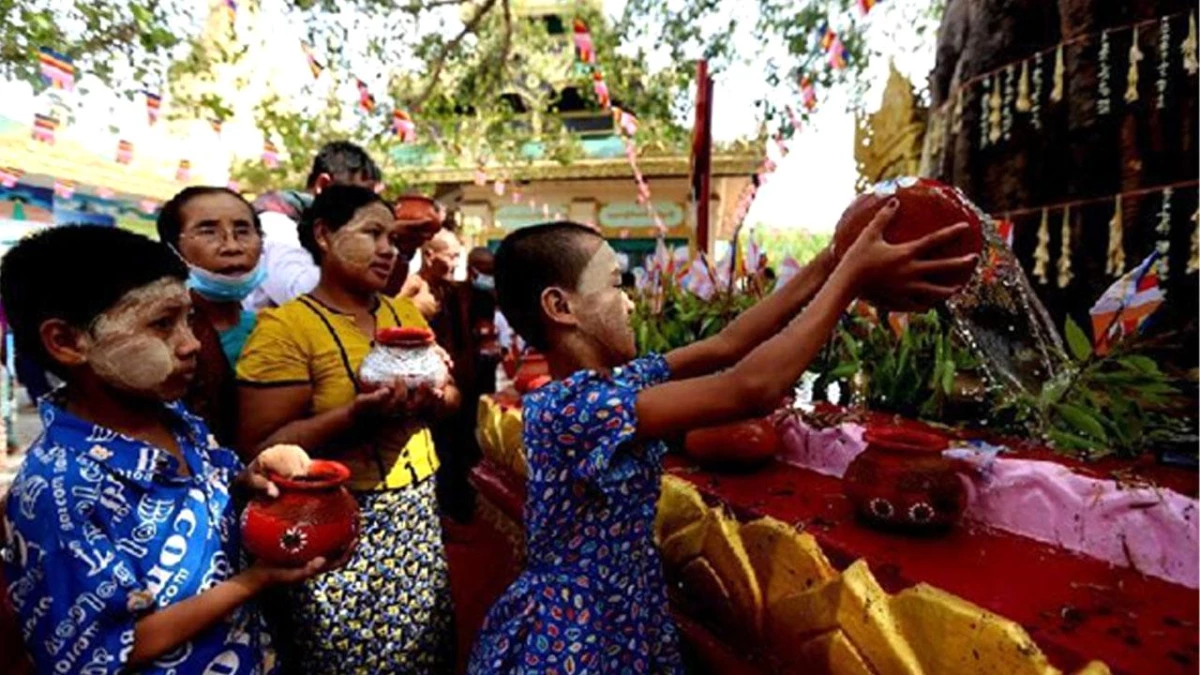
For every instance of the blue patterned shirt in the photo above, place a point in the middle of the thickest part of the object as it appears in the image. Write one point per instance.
(103, 529)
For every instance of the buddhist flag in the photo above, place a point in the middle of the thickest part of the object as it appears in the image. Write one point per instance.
(43, 128)
(366, 100)
(404, 127)
(184, 172)
(585, 51)
(153, 103)
(124, 152)
(231, 8)
(314, 65)
(625, 121)
(58, 70)
(827, 36)
(865, 6)
(10, 177)
(839, 56)
(64, 189)
(699, 280)
(1123, 309)
(787, 269)
(808, 94)
(601, 89)
(270, 155)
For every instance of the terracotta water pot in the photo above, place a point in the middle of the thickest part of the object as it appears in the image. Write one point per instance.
(406, 354)
(314, 515)
(902, 481)
(926, 206)
(739, 445)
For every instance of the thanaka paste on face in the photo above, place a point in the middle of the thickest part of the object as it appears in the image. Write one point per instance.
(122, 349)
(601, 310)
(353, 244)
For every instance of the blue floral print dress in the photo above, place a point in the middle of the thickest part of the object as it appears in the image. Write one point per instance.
(592, 598)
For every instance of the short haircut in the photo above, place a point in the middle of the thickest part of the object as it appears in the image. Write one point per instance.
(481, 255)
(334, 207)
(170, 218)
(533, 259)
(345, 162)
(76, 273)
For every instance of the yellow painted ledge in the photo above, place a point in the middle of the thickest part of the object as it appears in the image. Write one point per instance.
(765, 582)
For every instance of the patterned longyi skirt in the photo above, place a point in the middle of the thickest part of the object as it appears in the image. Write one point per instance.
(389, 609)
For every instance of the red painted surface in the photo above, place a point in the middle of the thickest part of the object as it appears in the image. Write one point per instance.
(1076, 609)
(312, 516)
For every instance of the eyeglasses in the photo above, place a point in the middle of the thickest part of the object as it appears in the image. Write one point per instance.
(211, 234)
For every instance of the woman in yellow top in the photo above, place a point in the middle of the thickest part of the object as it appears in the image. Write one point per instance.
(388, 610)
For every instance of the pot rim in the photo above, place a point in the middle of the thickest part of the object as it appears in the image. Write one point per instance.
(407, 337)
(905, 439)
(323, 474)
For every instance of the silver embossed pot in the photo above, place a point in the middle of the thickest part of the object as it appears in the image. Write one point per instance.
(407, 354)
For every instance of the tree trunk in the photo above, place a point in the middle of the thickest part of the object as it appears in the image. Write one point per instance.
(1080, 153)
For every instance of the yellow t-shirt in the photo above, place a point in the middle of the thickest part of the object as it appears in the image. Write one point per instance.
(305, 342)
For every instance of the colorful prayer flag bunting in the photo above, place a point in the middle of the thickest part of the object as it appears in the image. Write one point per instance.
(104, 193)
(625, 121)
(601, 89)
(270, 155)
(585, 51)
(366, 100)
(827, 36)
(64, 189)
(231, 9)
(43, 128)
(58, 70)
(865, 6)
(124, 152)
(808, 94)
(10, 177)
(1124, 308)
(184, 172)
(314, 65)
(404, 127)
(839, 56)
(148, 206)
(153, 104)
(216, 124)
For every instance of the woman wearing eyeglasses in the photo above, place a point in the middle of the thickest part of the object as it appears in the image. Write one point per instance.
(218, 234)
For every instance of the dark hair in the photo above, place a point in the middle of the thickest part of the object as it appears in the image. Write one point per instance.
(533, 259)
(334, 207)
(76, 273)
(170, 218)
(344, 162)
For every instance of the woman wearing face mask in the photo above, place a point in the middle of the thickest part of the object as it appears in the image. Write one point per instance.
(218, 234)
(298, 384)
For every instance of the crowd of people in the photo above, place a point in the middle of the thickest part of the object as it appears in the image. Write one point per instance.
(194, 368)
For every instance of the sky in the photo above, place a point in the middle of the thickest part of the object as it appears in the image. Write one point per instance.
(809, 190)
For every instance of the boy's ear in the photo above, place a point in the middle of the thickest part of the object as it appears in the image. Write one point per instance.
(557, 307)
(63, 342)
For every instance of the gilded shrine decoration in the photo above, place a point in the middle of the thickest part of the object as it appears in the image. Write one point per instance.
(887, 143)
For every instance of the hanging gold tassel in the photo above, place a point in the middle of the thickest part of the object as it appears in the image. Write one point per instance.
(1194, 259)
(994, 104)
(1135, 57)
(1190, 63)
(1060, 69)
(1116, 242)
(1041, 255)
(1023, 103)
(1064, 255)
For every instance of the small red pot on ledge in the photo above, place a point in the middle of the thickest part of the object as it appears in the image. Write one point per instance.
(529, 372)
(741, 445)
(314, 515)
(902, 481)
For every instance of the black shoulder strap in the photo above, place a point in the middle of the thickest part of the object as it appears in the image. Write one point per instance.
(337, 340)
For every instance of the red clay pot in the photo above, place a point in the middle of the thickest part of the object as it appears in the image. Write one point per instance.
(902, 481)
(738, 445)
(926, 206)
(313, 515)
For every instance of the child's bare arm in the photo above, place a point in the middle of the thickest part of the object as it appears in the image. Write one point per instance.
(752, 327)
(166, 629)
(757, 383)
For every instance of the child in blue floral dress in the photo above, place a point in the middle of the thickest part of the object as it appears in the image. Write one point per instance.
(592, 598)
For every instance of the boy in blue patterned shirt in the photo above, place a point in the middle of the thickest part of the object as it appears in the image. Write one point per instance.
(123, 549)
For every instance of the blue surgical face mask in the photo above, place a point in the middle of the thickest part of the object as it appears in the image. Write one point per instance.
(484, 282)
(225, 287)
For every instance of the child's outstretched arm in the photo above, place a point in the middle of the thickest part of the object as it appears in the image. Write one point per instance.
(757, 383)
(771, 314)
